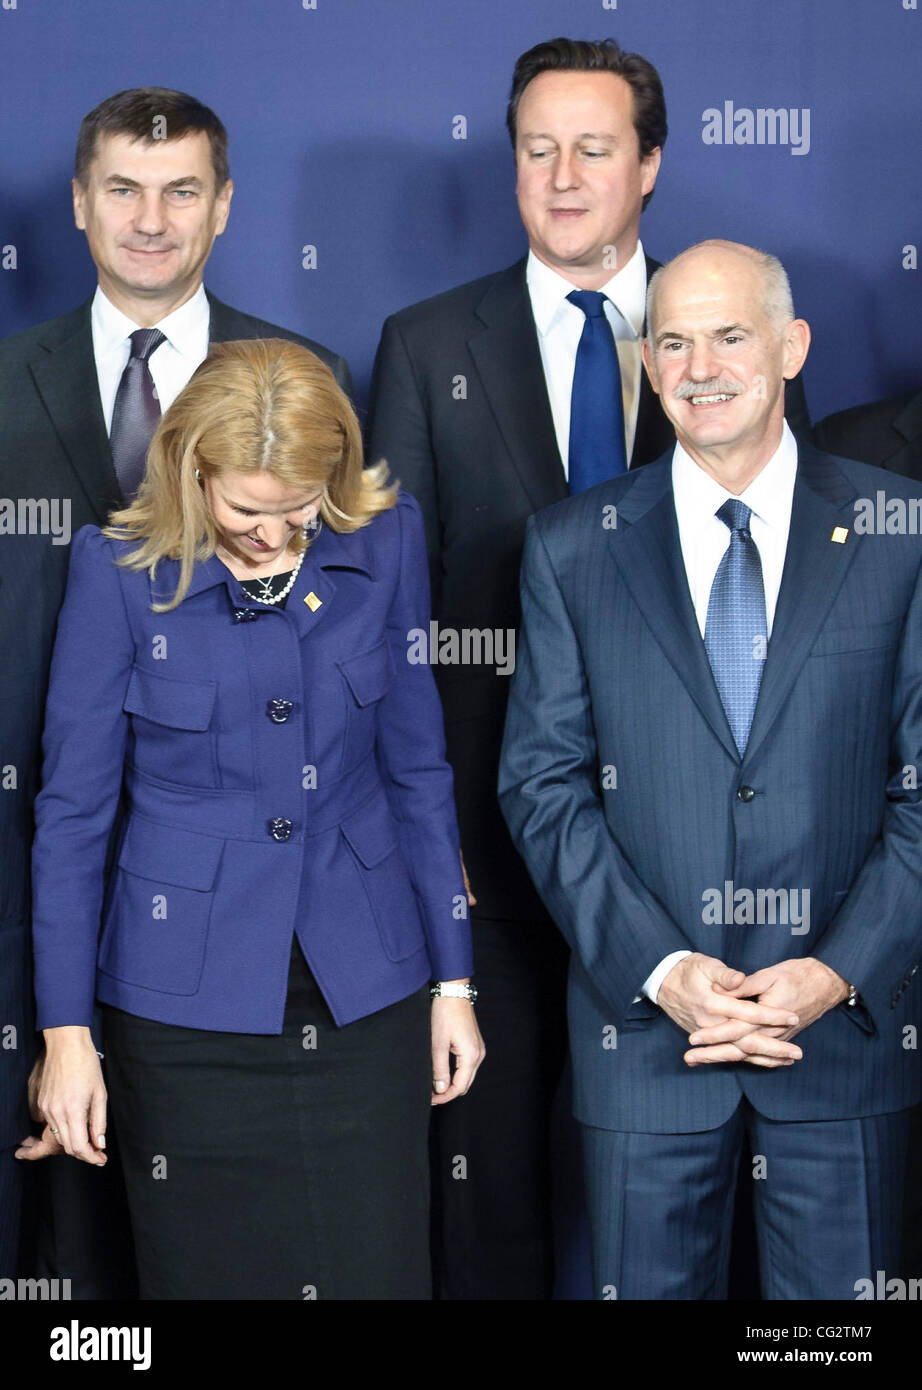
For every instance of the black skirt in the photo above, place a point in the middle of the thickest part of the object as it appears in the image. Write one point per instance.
(289, 1166)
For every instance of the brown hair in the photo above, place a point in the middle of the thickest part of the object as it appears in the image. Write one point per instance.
(263, 404)
(606, 55)
(135, 112)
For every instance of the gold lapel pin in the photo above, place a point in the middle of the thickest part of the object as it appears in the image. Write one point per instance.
(839, 535)
(313, 602)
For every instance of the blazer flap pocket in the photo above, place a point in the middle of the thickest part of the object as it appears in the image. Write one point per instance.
(369, 674)
(165, 700)
(167, 854)
(862, 637)
(370, 831)
(642, 1010)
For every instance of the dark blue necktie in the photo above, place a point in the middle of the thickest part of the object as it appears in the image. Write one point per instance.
(136, 413)
(596, 413)
(735, 632)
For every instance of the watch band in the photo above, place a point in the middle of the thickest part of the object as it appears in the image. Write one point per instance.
(446, 990)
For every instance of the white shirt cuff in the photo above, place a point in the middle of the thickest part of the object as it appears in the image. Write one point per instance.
(651, 984)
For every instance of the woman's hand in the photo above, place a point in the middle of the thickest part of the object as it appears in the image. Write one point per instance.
(71, 1099)
(454, 1033)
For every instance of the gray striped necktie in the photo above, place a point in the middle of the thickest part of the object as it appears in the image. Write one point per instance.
(136, 414)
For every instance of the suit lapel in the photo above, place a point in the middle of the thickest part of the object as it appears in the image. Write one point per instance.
(814, 569)
(649, 555)
(64, 372)
(508, 360)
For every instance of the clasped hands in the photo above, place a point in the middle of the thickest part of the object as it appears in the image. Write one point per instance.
(732, 1017)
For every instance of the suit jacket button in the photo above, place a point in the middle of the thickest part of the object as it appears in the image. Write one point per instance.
(744, 794)
(280, 829)
(279, 710)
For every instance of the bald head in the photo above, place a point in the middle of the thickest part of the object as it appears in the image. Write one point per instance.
(721, 342)
(712, 259)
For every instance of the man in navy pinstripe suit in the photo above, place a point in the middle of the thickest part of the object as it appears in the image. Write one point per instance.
(710, 766)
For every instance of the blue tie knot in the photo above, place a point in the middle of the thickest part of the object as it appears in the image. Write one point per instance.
(735, 514)
(144, 341)
(592, 302)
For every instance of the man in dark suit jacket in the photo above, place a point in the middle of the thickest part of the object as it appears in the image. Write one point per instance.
(151, 209)
(710, 765)
(470, 405)
(886, 433)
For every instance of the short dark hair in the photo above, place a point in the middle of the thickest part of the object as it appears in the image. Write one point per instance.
(606, 55)
(134, 113)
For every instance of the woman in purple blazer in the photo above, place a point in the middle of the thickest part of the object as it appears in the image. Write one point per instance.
(232, 663)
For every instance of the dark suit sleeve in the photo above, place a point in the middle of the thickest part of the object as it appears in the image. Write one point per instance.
(398, 431)
(411, 746)
(84, 747)
(875, 939)
(549, 793)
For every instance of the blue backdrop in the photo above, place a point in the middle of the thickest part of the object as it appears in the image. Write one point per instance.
(342, 122)
(341, 126)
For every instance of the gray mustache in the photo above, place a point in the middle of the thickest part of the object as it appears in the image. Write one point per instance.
(707, 388)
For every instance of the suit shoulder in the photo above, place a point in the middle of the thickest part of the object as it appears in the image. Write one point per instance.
(868, 478)
(572, 516)
(19, 347)
(882, 411)
(865, 431)
(90, 547)
(452, 305)
(240, 325)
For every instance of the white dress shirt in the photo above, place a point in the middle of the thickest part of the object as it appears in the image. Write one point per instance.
(560, 326)
(171, 364)
(705, 540)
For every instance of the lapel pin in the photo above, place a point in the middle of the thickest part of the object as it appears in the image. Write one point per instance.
(313, 602)
(839, 534)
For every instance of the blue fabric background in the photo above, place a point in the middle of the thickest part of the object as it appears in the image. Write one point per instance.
(340, 120)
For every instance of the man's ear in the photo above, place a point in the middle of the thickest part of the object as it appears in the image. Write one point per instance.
(223, 202)
(650, 163)
(79, 210)
(796, 347)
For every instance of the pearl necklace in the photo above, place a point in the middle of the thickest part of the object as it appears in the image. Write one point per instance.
(267, 596)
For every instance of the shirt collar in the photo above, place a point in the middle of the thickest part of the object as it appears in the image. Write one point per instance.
(769, 495)
(626, 289)
(186, 328)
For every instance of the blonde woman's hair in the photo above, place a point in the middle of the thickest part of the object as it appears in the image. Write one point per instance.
(259, 405)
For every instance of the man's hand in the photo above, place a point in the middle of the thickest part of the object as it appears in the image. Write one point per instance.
(703, 993)
(805, 986)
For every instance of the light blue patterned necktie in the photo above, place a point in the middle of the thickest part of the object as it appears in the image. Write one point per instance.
(735, 632)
